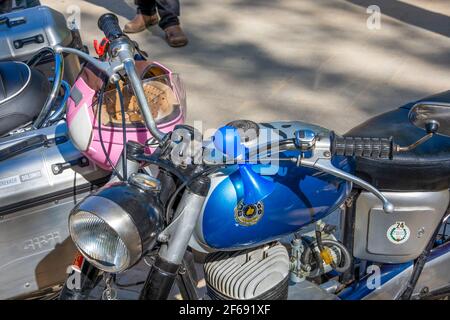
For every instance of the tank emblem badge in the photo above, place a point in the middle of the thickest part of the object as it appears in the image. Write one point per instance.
(248, 214)
(398, 233)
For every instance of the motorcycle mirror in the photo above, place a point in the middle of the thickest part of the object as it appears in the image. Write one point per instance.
(433, 117)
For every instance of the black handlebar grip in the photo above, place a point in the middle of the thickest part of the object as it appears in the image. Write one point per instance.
(375, 148)
(109, 24)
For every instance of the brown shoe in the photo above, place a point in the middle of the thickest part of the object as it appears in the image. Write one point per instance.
(140, 23)
(175, 36)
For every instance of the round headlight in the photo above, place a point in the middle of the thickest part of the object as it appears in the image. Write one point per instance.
(96, 239)
(115, 226)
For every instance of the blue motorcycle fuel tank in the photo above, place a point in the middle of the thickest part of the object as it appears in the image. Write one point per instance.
(292, 197)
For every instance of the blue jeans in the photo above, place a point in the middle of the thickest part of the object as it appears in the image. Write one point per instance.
(168, 10)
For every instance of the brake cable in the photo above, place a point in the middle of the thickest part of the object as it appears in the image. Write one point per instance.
(102, 144)
(124, 131)
(183, 185)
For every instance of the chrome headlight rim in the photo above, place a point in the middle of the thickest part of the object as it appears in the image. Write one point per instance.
(119, 221)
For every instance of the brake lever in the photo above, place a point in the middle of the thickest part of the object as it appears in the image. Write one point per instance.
(321, 160)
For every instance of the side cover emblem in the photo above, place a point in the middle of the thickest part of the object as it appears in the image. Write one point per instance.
(398, 233)
(248, 214)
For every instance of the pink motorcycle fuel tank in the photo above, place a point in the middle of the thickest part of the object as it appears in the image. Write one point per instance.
(165, 96)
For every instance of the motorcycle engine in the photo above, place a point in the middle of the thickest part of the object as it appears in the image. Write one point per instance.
(259, 274)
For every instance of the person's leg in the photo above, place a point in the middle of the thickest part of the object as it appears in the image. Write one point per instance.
(169, 11)
(146, 16)
(5, 6)
(146, 7)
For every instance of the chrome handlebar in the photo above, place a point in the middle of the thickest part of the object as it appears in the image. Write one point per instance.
(321, 160)
(122, 59)
(319, 157)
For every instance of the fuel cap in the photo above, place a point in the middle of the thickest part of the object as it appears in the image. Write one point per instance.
(247, 126)
(145, 182)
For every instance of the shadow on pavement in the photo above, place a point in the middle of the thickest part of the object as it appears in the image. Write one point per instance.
(308, 60)
(256, 66)
(413, 15)
(123, 8)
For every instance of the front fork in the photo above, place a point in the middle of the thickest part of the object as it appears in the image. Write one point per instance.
(81, 281)
(175, 240)
(170, 264)
(82, 278)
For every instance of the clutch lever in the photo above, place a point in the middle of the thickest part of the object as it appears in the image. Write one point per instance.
(321, 160)
(326, 166)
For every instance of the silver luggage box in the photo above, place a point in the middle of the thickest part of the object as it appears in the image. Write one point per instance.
(35, 201)
(25, 32)
(400, 236)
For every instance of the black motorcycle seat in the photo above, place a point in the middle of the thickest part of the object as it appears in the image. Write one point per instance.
(23, 92)
(425, 168)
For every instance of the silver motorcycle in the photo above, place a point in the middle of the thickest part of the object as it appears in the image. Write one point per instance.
(42, 176)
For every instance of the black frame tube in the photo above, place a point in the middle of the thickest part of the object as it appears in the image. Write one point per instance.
(348, 236)
(420, 262)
